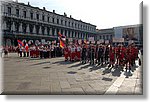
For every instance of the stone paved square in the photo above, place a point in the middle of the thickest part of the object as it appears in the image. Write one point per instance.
(55, 76)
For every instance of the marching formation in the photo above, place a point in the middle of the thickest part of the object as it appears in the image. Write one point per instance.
(103, 54)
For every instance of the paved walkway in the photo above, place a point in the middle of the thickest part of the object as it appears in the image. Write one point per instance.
(55, 76)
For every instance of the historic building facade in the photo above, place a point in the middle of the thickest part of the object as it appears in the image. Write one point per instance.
(23, 21)
(105, 34)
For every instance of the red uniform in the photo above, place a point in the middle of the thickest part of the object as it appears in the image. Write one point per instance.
(73, 53)
(69, 52)
(66, 53)
(112, 55)
(78, 52)
(121, 55)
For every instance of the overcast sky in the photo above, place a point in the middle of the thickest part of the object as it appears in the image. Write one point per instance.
(102, 13)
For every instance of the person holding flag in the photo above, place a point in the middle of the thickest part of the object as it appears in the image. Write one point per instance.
(62, 40)
(20, 45)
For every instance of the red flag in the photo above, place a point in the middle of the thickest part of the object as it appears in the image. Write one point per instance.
(62, 40)
(62, 45)
(20, 43)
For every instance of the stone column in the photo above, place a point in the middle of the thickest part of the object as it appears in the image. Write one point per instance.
(45, 31)
(28, 31)
(13, 26)
(34, 31)
(71, 34)
(50, 31)
(20, 28)
(63, 32)
(40, 30)
(4, 26)
(55, 32)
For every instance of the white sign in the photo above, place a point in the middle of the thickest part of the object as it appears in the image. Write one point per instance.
(98, 42)
(93, 42)
(91, 39)
(106, 41)
(43, 41)
(101, 40)
(118, 39)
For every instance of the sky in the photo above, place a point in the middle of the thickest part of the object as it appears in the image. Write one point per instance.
(102, 13)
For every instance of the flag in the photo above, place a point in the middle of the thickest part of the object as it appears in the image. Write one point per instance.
(62, 44)
(20, 43)
(85, 42)
(62, 40)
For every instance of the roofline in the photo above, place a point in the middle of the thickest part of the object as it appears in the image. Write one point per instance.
(128, 25)
(49, 12)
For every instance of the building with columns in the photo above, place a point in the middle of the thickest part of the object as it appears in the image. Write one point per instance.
(106, 34)
(23, 21)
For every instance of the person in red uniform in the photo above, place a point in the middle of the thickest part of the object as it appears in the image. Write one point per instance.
(128, 57)
(121, 52)
(66, 53)
(69, 52)
(27, 49)
(73, 53)
(78, 52)
(117, 54)
(135, 53)
(111, 56)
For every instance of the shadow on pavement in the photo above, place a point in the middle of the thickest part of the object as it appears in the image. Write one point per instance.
(107, 79)
(62, 62)
(71, 72)
(106, 71)
(84, 67)
(46, 67)
(127, 74)
(40, 63)
(117, 71)
(75, 65)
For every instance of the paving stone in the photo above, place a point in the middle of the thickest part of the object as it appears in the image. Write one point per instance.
(64, 84)
(55, 88)
(48, 76)
(126, 90)
(129, 82)
(24, 86)
(88, 90)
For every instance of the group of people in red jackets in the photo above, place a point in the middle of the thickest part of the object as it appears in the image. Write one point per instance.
(72, 52)
(124, 56)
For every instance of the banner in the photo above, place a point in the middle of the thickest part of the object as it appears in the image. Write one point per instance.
(106, 41)
(92, 42)
(101, 41)
(118, 39)
(91, 39)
